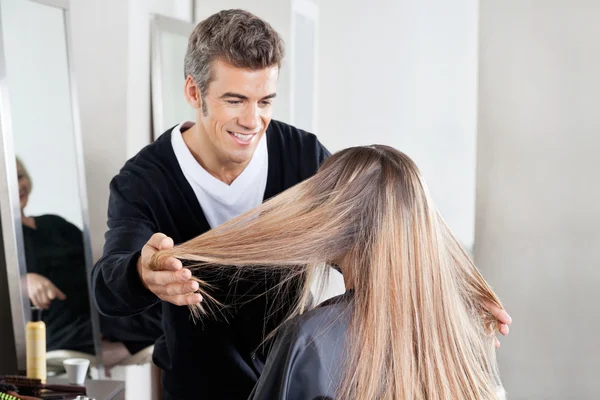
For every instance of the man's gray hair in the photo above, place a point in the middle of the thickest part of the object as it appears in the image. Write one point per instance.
(236, 37)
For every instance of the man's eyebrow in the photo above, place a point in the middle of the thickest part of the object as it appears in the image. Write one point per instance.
(236, 95)
(242, 97)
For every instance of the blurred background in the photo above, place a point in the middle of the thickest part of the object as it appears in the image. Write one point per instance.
(496, 101)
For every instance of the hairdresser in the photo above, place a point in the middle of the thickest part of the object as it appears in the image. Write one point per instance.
(194, 177)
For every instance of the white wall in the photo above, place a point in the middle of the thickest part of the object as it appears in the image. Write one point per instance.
(41, 106)
(100, 57)
(403, 73)
(538, 201)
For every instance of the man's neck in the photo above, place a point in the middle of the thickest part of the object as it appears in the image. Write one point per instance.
(205, 156)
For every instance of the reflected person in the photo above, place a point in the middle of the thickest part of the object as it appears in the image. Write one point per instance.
(56, 274)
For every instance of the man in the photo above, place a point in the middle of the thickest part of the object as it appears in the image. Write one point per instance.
(194, 178)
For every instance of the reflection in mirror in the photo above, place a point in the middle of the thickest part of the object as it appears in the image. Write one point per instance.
(56, 273)
(169, 44)
(48, 166)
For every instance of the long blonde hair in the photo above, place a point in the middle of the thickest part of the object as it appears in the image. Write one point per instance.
(419, 328)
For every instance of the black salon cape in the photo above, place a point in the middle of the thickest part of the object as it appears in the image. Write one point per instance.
(211, 359)
(306, 361)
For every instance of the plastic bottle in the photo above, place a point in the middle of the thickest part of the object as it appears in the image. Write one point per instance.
(36, 346)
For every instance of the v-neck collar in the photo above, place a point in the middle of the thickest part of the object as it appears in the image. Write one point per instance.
(273, 185)
(201, 175)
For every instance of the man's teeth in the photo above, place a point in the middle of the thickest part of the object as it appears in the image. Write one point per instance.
(242, 137)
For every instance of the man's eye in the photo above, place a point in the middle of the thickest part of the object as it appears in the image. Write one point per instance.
(234, 101)
(266, 103)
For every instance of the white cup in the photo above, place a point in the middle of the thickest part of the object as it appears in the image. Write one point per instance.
(76, 370)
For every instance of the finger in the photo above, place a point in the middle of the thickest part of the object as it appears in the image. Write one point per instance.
(169, 264)
(43, 300)
(58, 294)
(36, 301)
(503, 328)
(50, 293)
(161, 278)
(166, 243)
(61, 295)
(184, 299)
(39, 304)
(496, 343)
(175, 289)
(156, 240)
(500, 314)
(503, 317)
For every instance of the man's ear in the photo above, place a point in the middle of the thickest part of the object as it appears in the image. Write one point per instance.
(192, 93)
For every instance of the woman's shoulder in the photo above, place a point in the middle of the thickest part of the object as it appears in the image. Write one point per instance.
(305, 360)
(330, 317)
(53, 219)
(50, 219)
(53, 222)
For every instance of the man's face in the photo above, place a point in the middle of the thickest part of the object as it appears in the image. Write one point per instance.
(24, 185)
(238, 110)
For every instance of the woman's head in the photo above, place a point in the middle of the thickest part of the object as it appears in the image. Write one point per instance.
(383, 200)
(24, 184)
(418, 328)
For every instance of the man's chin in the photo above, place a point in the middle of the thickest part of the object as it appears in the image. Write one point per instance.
(241, 157)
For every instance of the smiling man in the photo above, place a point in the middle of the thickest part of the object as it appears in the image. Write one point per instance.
(195, 177)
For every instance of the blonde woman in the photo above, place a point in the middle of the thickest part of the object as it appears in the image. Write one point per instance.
(415, 320)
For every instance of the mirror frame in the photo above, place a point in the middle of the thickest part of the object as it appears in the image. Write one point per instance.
(309, 10)
(159, 25)
(12, 233)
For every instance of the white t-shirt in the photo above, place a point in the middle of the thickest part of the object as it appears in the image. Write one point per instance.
(220, 201)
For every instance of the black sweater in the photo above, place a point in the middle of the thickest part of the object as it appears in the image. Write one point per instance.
(210, 359)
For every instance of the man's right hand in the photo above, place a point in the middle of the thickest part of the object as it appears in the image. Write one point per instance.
(170, 281)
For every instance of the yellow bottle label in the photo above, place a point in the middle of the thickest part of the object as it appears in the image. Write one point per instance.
(36, 350)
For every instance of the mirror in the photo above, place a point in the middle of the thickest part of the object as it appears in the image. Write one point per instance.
(304, 64)
(51, 200)
(169, 44)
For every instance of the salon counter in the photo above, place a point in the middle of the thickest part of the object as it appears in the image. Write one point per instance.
(100, 389)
